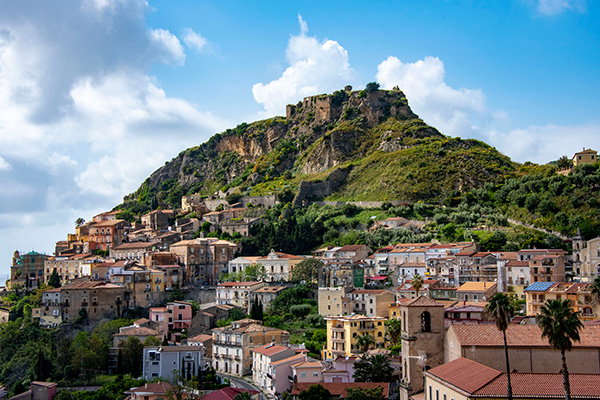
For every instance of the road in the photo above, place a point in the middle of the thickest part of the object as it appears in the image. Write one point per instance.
(242, 384)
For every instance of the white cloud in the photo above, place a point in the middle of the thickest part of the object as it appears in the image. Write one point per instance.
(81, 121)
(4, 165)
(194, 40)
(542, 144)
(314, 67)
(553, 7)
(168, 47)
(456, 112)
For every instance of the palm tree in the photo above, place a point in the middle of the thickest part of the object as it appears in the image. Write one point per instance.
(502, 309)
(560, 324)
(364, 342)
(417, 283)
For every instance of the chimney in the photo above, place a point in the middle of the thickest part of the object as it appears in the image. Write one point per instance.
(146, 386)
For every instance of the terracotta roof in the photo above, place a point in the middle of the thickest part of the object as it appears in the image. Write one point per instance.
(518, 336)
(291, 359)
(423, 301)
(136, 245)
(339, 389)
(141, 321)
(45, 384)
(476, 286)
(465, 374)
(228, 393)
(517, 263)
(176, 349)
(544, 256)
(353, 247)
(200, 338)
(270, 349)
(142, 331)
(157, 387)
(269, 289)
(543, 386)
(89, 285)
(308, 364)
(231, 284)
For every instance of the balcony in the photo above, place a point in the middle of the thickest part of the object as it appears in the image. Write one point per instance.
(338, 340)
(369, 327)
(84, 304)
(338, 328)
(226, 342)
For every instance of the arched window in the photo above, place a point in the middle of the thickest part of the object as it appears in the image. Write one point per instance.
(425, 322)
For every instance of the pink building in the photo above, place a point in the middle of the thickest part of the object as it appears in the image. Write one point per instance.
(341, 371)
(173, 318)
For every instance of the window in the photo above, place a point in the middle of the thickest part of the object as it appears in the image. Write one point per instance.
(426, 322)
(302, 374)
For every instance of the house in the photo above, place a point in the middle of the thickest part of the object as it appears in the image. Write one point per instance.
(309, 370)
(464, 379)
(50, 308)
(475, 291)
(265, 295)
(70, 267)
(157, 219)
(144, 287)
(141, 333)
(586, 257)
(278, 266)
(330, 300)
(341, 370)
(4, 315)
(369, 302)
(172, 319)
(150, 391)
(134, 251)
(108, 233)
(586, 156)
(527, 350)
(407, 291)
(239, 264)
(38, 391)
(547, 268)
(229, 393)
(271, 366)
(232, 344)
(579, 294)
(338, 390)
(202, 340)
(204, 258)
(237, 293)
(343, 330)
(160, 361)
(476, 266)
(467, 314)
(98, 299)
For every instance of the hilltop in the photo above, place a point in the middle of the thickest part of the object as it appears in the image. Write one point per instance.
(349, 145)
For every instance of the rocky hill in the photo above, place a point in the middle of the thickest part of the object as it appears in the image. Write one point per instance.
(358, 145)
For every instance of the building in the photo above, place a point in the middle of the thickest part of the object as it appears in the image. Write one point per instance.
(150, 391)
(140, 332)
(463, 379)
(237, 293)
(580, 295)
(547, 268)
(108, 233)
(422, 340)
(369, 302)
(157, 219)
(27, 269)
(172, 319)
(163, 361)
(98, 299)
(204, 259)
(232, 344)
(239, 264)
(338, 389)
(586, 156)
(586, 257)
(330, 300)
(265, 295)
(343, 330)
(278, 266)
(202, 340)
(341, 370)
(267, 372)
(50, 308)
(38, 391)
(70, 267)
(476, 291)
(134, 251)
(527, 350)
(4, 315)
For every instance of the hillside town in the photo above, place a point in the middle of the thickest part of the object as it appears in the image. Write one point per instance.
(402, 321)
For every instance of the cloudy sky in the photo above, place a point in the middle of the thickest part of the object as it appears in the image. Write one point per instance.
(97, 94)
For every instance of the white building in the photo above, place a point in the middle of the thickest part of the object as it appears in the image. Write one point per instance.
(237, 293)
(162, 361)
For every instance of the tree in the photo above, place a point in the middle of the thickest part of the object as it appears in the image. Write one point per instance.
(79, 221)
(307, 270)
(54, 279)
(315, 392)
(596, 289)
(364, 342)
(393, 328)
(564, 162)
(364, 394)
(417, 283)
(501, 307)
(372, 87)
(560, 324)
(133, 354)
(243, 396)
(376, 368)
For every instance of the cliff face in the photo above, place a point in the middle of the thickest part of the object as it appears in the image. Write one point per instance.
(317, 135)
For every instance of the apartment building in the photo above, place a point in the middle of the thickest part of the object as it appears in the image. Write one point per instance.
(343, 330)
(237, 293)
(369, 302)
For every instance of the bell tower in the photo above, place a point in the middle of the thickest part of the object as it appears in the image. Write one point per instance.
(422, 342)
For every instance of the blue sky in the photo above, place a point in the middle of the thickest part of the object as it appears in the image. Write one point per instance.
(95, 95)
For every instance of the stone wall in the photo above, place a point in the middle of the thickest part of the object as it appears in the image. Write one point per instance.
(308, 190)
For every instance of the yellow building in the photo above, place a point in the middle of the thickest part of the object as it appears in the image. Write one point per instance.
(587, 156)
(342, 332)
(579, 295)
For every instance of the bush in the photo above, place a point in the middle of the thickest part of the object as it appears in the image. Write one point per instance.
(300, 310)
(372, 87)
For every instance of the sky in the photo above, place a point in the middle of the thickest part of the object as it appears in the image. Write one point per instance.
(95, 95)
